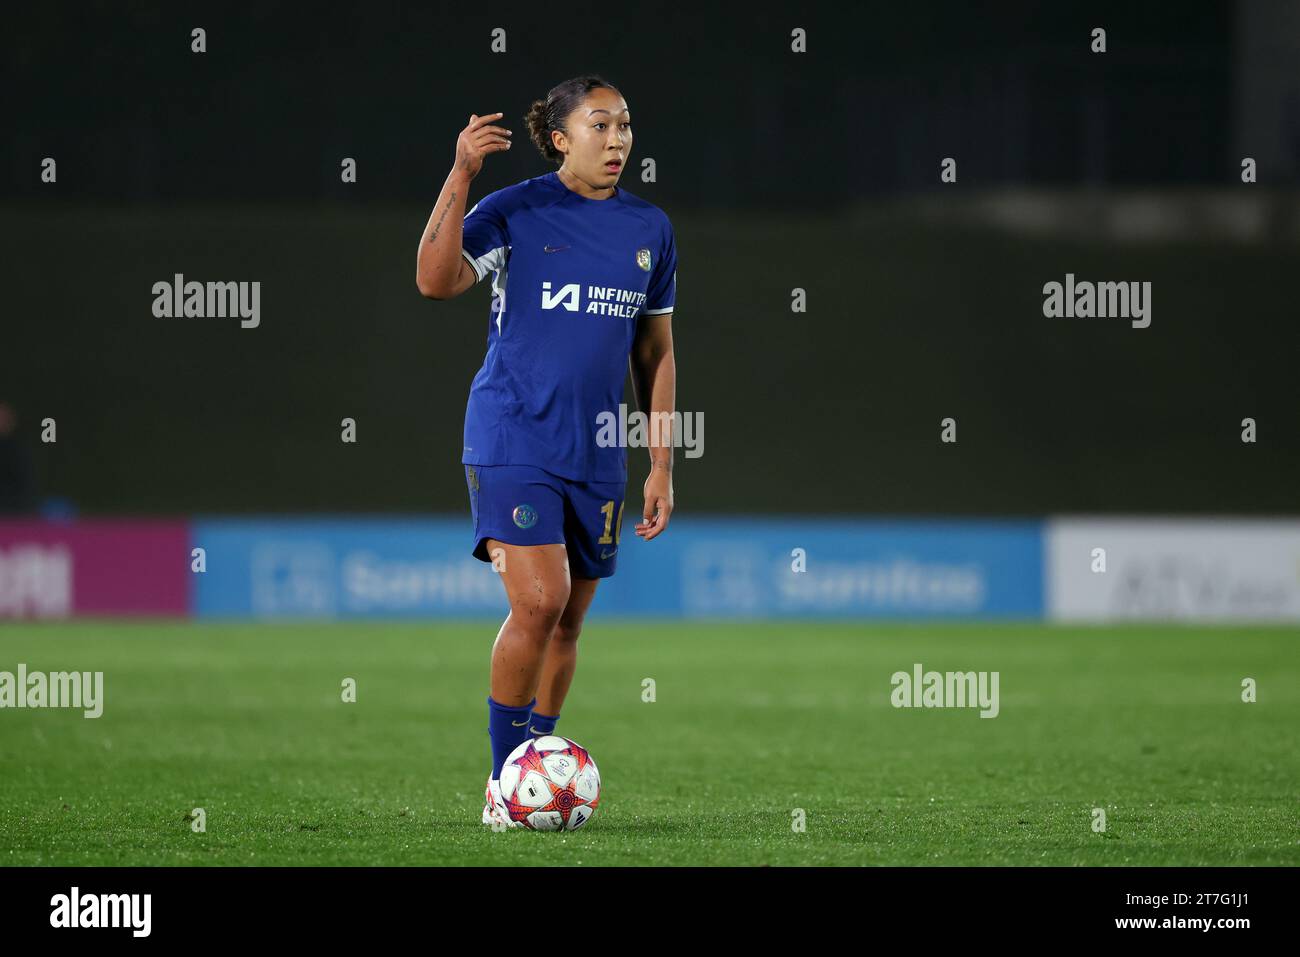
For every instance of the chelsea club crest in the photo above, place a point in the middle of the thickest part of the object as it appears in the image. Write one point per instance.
(643, 259)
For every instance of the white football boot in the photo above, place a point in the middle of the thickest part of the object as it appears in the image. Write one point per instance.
(495, 814)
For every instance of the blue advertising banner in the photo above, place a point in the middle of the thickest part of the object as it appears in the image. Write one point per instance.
(420, 567)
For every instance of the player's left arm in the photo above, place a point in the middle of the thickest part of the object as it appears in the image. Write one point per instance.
(654, 380)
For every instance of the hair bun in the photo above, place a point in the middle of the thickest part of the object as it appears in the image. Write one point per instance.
(549, 114)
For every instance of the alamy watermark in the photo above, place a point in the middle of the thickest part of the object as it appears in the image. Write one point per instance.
(1099, 300)
(57, 689)
(75, 909)
(638, 430)
(179, 299)
(949, 689)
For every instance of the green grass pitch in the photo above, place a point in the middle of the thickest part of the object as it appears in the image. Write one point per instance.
(750, 723)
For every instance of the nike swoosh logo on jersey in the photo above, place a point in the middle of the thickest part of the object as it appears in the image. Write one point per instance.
(604, 555)
(553, 249)
(519, 724)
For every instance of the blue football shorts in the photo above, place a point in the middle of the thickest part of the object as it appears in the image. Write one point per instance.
(525, 505)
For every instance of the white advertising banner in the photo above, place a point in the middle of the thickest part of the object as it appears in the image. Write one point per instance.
(1173, 569)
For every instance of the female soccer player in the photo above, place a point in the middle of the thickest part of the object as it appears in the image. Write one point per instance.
(583, 285)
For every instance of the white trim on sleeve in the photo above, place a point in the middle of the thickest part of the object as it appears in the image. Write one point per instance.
(488, 262)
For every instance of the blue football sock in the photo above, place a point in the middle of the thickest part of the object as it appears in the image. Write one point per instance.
(542, 724)
(508, 728)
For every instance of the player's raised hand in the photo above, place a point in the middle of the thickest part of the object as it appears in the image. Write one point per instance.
(477, 140)
(658, 504)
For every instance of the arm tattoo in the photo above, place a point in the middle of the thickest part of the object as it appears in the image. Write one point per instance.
(433, 236)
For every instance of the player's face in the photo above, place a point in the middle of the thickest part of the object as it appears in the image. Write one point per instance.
(599, 139)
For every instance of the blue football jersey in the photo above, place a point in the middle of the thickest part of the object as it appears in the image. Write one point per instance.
(570, 278)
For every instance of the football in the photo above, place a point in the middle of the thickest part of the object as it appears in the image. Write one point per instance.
(550, 784)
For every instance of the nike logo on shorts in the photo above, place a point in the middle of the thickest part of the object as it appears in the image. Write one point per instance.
(553, 249)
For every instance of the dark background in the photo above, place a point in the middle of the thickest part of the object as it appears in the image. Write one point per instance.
(778, 170)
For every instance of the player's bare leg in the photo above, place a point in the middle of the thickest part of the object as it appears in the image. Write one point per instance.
(561, 658)
(536, 579)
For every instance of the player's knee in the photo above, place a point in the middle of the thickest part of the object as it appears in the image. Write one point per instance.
(548, 613)
(567, 630)
(539, 613)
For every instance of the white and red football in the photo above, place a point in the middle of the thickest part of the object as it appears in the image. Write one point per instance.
(550, 784)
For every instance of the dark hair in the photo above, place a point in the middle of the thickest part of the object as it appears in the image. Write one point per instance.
(549, 114)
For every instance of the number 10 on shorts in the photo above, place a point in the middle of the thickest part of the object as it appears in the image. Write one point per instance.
(608, 511)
